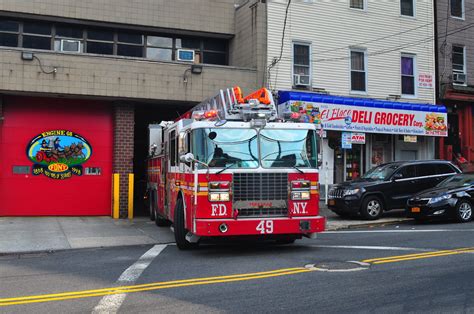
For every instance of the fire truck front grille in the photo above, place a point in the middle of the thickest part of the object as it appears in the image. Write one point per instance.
(263, 212)
(260, 186)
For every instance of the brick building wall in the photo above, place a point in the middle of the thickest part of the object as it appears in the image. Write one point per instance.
(123, 150)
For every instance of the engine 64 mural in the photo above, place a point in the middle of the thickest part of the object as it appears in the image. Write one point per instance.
(58, 154)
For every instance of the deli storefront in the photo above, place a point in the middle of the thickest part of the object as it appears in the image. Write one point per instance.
(358, 134)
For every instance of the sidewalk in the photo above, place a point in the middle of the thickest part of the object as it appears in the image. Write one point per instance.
(43, 234)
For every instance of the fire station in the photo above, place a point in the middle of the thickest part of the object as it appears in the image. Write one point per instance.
(79, 88)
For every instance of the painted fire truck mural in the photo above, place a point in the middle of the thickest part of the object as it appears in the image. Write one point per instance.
(58, 154)
(235, 166)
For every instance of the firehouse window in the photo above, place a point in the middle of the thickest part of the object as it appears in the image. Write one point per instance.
(9, 33)
(130, 45)
(100, 42)
(173, 148)
(407, 7)
(457, 8)
(37, 35)
(358, 71)
(69, 39)
(221, 148)
(159, 48)
(288, 148)
(408, 74)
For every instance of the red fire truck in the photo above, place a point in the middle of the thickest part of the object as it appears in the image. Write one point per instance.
(235, 166)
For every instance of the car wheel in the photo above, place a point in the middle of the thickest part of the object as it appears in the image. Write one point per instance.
(464, 211)
(180, 231)
(151, 209)
(372, 208)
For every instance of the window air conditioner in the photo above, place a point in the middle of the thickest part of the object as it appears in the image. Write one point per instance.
(301, 80)
(68, 45)
(459, 78)
(185, 55)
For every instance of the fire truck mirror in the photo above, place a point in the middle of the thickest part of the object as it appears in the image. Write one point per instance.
(187, 158)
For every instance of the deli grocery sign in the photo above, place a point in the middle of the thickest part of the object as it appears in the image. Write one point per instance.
(376, 120)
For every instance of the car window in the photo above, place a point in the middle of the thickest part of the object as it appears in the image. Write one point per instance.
(425, 170)
(408, 172)
(444, 169)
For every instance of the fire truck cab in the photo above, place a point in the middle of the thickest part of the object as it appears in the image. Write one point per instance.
(234, 166)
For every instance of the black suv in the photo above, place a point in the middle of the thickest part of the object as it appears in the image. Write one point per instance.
(387, 186)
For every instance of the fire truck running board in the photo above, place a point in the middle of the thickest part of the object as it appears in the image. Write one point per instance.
(192, 238)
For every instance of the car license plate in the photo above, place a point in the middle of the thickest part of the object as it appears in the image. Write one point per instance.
(332, 202)
(415, 209)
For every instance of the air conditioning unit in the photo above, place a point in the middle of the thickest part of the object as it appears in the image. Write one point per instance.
(301, 80)
(459, 78)
(69, 45)
(185, 55)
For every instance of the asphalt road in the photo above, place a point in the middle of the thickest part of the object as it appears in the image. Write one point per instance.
(407, 268)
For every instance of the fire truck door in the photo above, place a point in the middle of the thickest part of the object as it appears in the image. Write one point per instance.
(171, 169)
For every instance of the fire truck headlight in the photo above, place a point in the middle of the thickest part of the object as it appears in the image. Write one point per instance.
(224, 197)
(297, 196)
(214, 197)
(219, 196)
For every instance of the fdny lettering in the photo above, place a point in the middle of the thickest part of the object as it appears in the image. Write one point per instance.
(299, 208)
(218, 210)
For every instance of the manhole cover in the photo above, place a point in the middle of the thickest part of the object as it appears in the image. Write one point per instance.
(338, 266)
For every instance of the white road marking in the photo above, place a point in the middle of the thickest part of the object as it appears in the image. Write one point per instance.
(112, 303)
(399, 231)
(382, 248)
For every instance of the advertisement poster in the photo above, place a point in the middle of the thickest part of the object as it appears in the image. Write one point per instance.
(346, 140)
(364, 119)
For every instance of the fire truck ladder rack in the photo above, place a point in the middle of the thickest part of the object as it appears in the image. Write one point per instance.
(229, 104)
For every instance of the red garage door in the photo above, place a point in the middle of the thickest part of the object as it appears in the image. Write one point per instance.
(55, 157)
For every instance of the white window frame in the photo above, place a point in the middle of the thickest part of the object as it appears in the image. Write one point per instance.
(301, 43)
(358, 92)
(462, 17)
(414, 9)
(464, 70)
(364, 4)
(415, 75)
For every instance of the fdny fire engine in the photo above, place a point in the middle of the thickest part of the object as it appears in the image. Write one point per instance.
(234, 166)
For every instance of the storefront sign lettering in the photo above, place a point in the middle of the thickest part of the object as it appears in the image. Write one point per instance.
(358, 138)
(58, 154)
(376, 120)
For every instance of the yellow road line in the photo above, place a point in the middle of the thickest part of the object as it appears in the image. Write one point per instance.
(408, 257)
(150, 286)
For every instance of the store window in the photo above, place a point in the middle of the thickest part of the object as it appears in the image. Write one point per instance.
(457, 8)
(408, 75)
(357, 4)
(301, 65)
(407, 7)
(358, 71)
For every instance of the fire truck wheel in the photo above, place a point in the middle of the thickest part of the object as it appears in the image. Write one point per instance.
(151, 208)
(179, 228)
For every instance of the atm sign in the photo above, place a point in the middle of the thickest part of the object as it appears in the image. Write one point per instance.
(358, 138)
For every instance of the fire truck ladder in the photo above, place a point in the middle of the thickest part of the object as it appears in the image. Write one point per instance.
(230, 105)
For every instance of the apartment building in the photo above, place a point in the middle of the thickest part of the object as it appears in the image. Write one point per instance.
(81, 80)
(455, 51)
(366, 70)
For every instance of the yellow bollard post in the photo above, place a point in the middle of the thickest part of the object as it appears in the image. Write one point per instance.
(116, 198)
(130, 195)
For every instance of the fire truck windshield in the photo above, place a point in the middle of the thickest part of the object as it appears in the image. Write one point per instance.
(288, 148)
(245, 148)
(220, 147)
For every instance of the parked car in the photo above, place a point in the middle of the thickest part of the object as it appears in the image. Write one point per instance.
(388, 186)
(452, 198)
